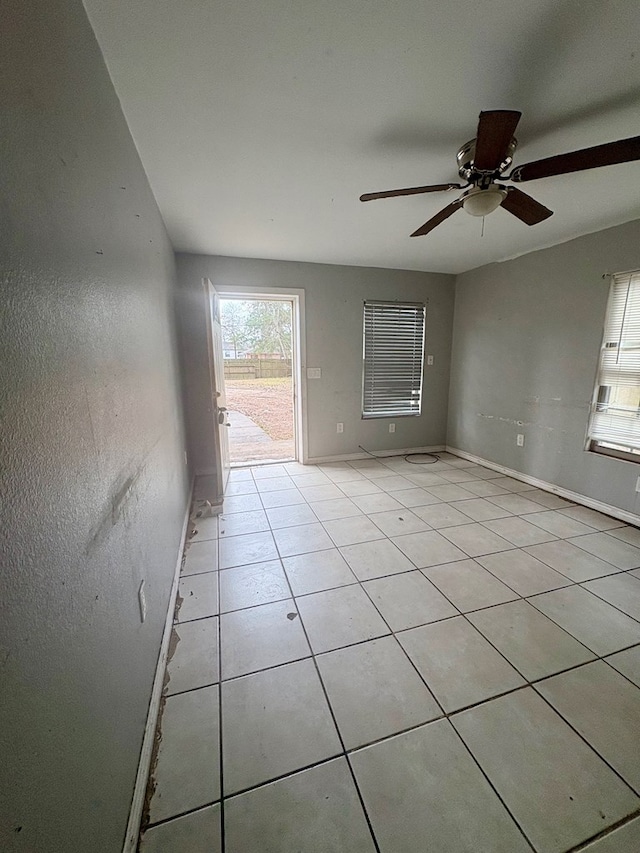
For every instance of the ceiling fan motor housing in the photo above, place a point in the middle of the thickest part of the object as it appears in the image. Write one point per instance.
(466, 166)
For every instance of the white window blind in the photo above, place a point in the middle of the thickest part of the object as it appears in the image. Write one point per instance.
(615, 412)
(393, 346)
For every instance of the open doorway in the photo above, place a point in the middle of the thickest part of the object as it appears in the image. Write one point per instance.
(260, 373)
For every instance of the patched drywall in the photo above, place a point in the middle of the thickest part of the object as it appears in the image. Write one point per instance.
(93, 487)
(334, 297)
(527, 337)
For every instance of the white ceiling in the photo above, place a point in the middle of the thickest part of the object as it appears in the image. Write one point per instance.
(260, 122)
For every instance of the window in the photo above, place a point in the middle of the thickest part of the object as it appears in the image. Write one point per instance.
(614, 426)
(393, 346)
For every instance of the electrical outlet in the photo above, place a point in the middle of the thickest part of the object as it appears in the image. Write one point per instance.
(142, 601)
(392, 427)
(339, 427)
(520, 440)
(429, 359)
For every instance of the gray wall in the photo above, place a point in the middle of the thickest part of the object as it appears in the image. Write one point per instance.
(93, 488)
(334, 297)
(527, 335)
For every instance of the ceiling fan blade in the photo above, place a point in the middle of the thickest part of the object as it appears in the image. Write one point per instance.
(622, 151)
(495, 131)
(445, 213)
(435, 188)
(527, 209)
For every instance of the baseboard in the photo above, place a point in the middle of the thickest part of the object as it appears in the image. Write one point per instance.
(575, 497)
(139, 790)
(349, 457)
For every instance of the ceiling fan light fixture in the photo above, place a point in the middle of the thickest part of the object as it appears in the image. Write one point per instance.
(481, 202)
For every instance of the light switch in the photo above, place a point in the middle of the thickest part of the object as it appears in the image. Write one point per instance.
(429, 359)
(314, 373)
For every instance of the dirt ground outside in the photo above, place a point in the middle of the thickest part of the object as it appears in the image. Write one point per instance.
(269, 404)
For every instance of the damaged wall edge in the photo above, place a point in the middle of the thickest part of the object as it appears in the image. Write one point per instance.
(146, 751)
(574, 497)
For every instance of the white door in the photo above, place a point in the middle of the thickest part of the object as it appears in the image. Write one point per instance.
(218, 407)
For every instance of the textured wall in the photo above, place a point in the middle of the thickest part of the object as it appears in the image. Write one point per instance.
(93, 486)
(527, 337)
(334, 297)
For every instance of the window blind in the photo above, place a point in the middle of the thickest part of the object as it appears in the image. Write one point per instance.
(615, 411)
(393, 346)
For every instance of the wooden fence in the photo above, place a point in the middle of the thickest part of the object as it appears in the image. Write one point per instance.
(256, 368)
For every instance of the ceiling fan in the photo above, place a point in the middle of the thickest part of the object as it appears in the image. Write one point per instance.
(482, 161)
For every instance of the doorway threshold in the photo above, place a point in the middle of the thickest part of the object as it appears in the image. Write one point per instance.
(255, 463)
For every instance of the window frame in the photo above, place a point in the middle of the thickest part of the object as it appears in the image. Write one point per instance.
(601, 392)
(419, 308)
(613, 452)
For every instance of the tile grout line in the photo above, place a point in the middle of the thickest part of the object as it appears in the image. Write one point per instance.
(605, 832)
(528, 683)
(603, 658)
(539, 594)
(392, 633)
(471, 521)
(491, 785)
(520, 597)
(251, 788)
(220, 733)
(570, 582)
(344, 754)
(359, 747)
(446, 716)
(361, 584)
(582, 737)
(469, 622)
(532, 684)
(388, 538)
(333, 717)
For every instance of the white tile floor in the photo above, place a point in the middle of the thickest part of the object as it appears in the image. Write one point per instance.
(380, 656)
